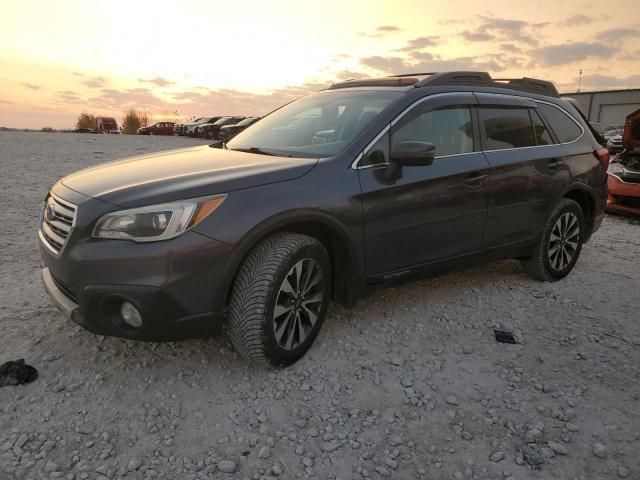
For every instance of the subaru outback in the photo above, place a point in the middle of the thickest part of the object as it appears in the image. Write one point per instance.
(367, 181)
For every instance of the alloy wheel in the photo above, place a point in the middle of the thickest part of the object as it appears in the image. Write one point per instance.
(564, 241)
(298, 304)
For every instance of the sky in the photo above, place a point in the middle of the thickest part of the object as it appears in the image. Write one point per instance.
(185, 58)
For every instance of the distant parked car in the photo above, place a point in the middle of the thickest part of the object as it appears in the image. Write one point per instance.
(612, 131)
(176, 128)
(183, 130)
(106, 125)
(159, 128)
(614, 144)
(191, 129)
(212, 130)
(624, 171)
(227, 132)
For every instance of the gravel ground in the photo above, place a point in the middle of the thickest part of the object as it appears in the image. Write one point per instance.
(410, 384)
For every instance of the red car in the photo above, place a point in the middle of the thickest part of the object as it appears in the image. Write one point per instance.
(159, 128)
(624, 171)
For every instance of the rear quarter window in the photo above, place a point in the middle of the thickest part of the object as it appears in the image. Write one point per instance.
(565, 128)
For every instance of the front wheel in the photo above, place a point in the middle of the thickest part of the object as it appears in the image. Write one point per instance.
(560, 244)
(279, 299)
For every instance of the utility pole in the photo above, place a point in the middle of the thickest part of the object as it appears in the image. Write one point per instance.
(579, 80)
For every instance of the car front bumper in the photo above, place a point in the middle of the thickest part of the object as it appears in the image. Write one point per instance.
(623, 197)
(171, 283)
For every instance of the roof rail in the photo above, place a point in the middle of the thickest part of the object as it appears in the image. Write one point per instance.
(483, 79)
(525, 84)
(534, 85)
(456, 78)
(397, 81)
(412, 74)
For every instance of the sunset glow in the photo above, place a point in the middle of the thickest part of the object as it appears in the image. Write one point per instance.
(200, 57)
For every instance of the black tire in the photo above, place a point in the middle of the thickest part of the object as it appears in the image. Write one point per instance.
(258, 289)
(544, 263)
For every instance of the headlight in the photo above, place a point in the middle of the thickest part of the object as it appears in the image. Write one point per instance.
(156, 222)
(615, 169)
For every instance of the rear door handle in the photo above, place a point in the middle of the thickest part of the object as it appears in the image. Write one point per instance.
(554, 164)
(475, 180)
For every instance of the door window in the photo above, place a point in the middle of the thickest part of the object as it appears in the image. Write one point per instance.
(448, 129)
(378, 153)
(506, 127)
(540, 129)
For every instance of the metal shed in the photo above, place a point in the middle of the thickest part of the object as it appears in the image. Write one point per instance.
(608, 107)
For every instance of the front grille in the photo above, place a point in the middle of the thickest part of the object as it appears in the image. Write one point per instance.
(58, 218)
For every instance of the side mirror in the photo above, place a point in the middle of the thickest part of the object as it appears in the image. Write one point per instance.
(413, 153)
(409, 154)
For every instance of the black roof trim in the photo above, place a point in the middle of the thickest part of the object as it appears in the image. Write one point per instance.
(482, 79)
(395, 81)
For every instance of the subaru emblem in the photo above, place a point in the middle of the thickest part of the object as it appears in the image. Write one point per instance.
(50, 212)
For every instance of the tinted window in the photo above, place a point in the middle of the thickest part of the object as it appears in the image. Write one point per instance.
(449, 129)
(562, 125)
(540, 129)
(506, 127)
(378, 153)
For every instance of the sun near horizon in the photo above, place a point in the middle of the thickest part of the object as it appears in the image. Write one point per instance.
(195, 57)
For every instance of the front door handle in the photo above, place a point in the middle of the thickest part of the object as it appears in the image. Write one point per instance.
(475, 180)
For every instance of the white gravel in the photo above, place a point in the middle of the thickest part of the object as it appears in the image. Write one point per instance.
(410, 384)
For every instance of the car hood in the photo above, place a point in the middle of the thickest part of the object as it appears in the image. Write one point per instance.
(185, 173)
(631, 132)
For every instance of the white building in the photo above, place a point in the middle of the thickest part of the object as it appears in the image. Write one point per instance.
(608, 107)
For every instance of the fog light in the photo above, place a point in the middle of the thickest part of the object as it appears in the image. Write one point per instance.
(130, 315)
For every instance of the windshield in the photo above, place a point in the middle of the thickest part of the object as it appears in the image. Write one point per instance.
(320, 125)
(222, 121)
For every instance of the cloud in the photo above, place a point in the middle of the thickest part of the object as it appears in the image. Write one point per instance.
(69, 96)
(618, 34)
(349, 74)
(159, 81)
(401, 65)
(602, 82)
(509, 30)
(421, 42)
(477, 36)
(385, 64)
(31, 86)
(388, 29)
(95, 82)
(577, 20)
(203, 101)
(381, 31)
(571, 52)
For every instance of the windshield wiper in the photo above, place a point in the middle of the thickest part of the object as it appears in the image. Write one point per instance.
(259, 151)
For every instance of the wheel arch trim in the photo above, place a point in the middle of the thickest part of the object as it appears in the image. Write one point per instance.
(281, 222)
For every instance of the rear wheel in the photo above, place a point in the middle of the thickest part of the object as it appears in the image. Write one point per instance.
(560, 244)
(279, 299)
